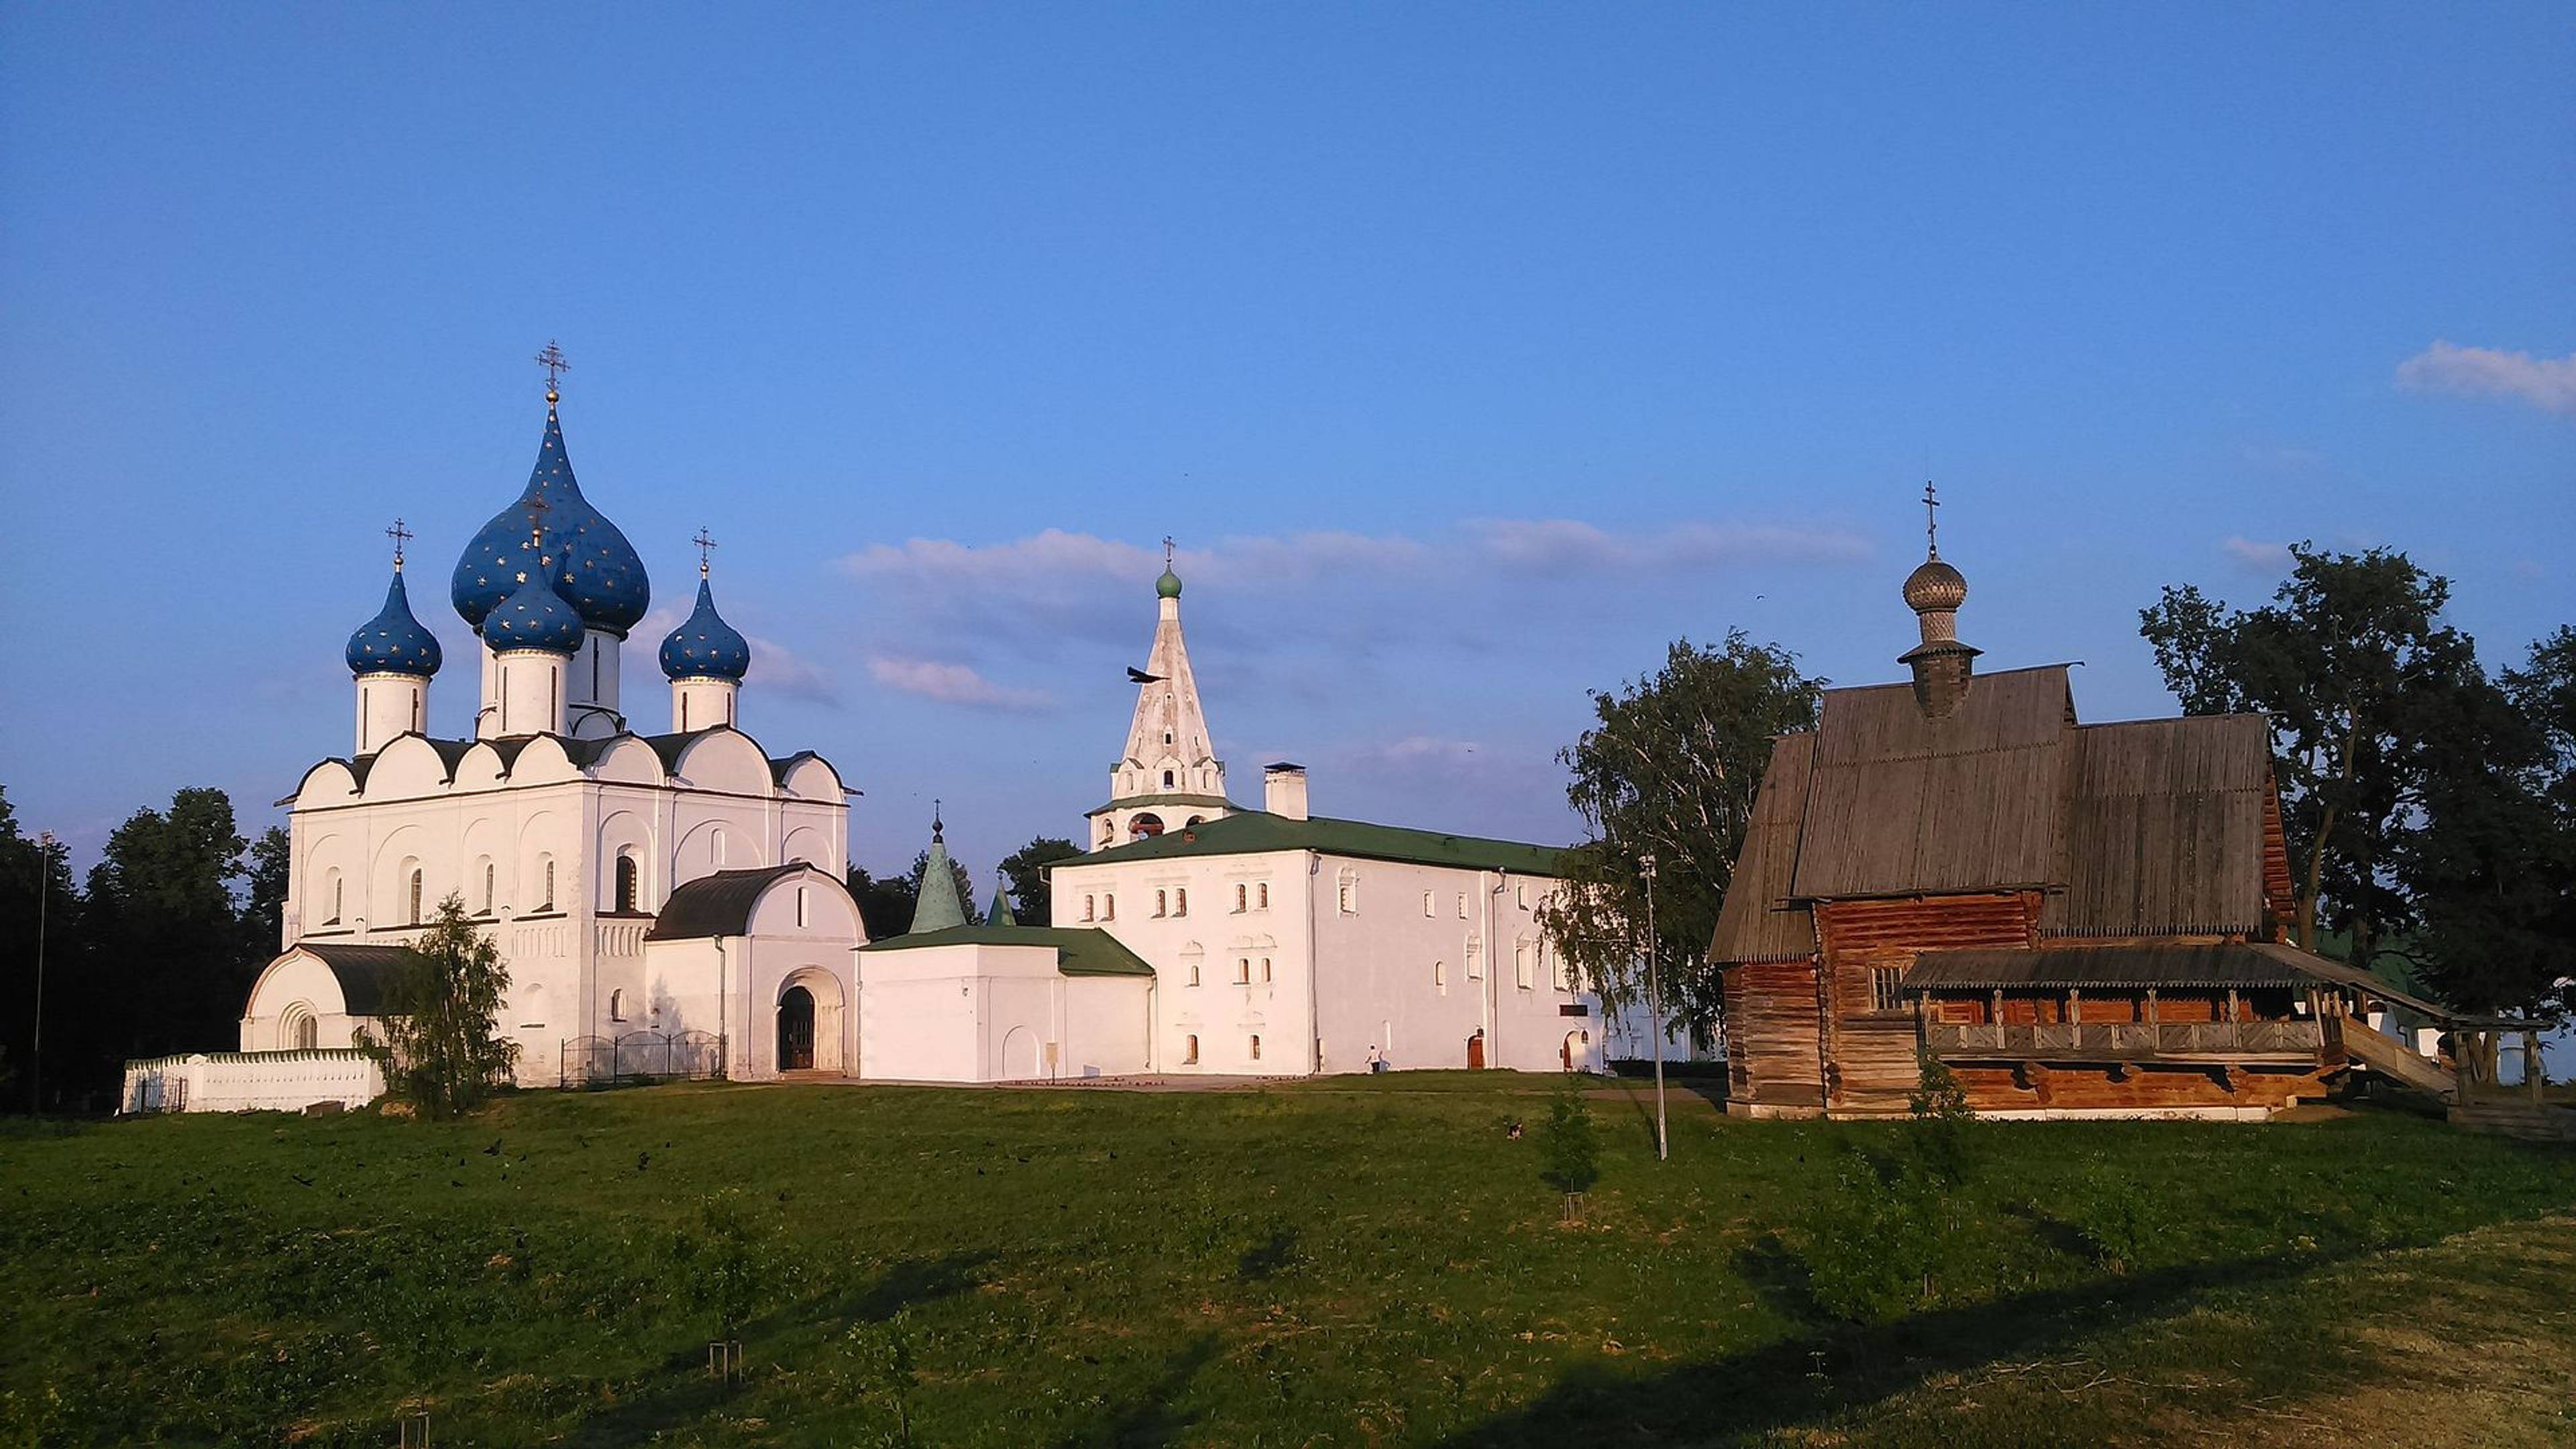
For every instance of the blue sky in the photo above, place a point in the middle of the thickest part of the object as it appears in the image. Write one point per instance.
(1471, 352)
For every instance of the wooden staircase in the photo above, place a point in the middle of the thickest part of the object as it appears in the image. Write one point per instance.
(2390, 1057)
(2516, 1116)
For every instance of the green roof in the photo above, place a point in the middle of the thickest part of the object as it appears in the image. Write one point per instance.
(1251, 832)
(1078, 952)
(937, 907)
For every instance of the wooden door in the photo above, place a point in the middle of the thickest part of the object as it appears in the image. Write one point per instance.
(796, 1030)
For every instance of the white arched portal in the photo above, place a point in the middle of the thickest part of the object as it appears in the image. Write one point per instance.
(1020, 1055)
(821, 1014)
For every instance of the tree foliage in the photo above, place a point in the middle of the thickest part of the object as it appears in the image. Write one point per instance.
(440, 1046)
(2426, 805)
(1026, 869)
(885, 903)
(1669, 769)
(2359, 675)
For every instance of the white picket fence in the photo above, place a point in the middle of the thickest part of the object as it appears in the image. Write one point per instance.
(288, 1081)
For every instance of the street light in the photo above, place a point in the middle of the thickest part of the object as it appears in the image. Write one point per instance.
(44, 893)
(1655, 1009)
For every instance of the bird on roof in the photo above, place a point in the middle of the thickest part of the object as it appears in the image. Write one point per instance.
(1138, 676)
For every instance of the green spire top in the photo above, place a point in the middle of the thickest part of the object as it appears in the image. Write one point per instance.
(938, 906)
(1169, 585)
(999, 912)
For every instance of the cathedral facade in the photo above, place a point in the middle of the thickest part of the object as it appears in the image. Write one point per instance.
(682, 887)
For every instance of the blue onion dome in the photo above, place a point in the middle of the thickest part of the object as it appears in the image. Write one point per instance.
(393, 642)
(535, 616)
(705, 646)
(598, 572)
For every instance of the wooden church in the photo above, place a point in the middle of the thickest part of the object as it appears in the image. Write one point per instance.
(2076, 919)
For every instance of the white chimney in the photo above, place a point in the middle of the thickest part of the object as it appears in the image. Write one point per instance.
(1283, 790)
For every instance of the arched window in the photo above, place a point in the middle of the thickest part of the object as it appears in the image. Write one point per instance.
(1346, 892)
(331, 893)
(617, 1005)
(1261, 896)
(720, 850)
(1090, 910)
(800, 906)
(1109, 908)
(1427, 907)
(1440, 976)
(1167, 779)
(415, 892)
(1265, 968)
(546, 893)
(297, 1030)
(489, 874)
(1239, 898)
(1256, 1048)
(626, 885)
(1162, 903)
(1194, 973)
(1145, 827)
(1190, 1052)
(1180, 900)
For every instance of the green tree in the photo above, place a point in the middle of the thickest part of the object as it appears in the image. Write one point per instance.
(167, 970)
(30, 878)
(2492, 869)
(1026, 869)
(1670, 768)
(885, 905)
(2360, 679)
(1569, 1152)
(439, 1047)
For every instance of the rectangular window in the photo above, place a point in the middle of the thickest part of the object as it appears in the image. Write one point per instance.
(1440, 976)
(1523, 969)
(1256, 1048)
(1462, 905)
(1190, 1052)
(1555, 967)
(1521, 894)
(1884, 992)
(1346, 893)
(1475, 959)
(1426, 905)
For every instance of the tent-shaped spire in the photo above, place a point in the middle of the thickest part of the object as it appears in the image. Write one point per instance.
(938, 907)
(999, 912)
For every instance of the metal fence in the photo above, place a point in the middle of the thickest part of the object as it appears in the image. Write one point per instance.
(643, 1056)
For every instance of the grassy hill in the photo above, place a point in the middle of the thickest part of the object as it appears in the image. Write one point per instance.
(1356, 1261)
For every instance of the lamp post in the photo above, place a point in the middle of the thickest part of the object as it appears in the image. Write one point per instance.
(44, 894)
(1655, 1009)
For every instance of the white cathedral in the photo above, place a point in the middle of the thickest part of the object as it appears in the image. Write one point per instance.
(675, 901)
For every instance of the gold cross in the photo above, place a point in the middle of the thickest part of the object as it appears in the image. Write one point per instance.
(400, 535)
(1167, 552)
(704, 543)
(552, 360)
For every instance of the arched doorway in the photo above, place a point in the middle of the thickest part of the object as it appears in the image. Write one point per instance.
(1145, 826)
(796, 1030)
(1576, 1051)
(1020, 1055)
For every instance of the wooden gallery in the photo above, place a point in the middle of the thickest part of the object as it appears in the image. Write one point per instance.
(2075, 919)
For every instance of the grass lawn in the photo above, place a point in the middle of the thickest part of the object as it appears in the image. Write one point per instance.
(1353, 1261)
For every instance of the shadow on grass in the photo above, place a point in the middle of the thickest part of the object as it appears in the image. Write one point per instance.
(1267, 1259)
(1151, 1417)
(1814, 1377)
(685, 1392)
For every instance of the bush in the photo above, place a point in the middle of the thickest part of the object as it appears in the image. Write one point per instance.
(1569, 1153)
(2118, 1218)
(440, 1053)
(1876, 1247)
(1940, 1107)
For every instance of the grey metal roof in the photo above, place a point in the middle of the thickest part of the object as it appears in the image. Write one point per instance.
(1901, 803)
(367, 974)
(718, 904)
(1757, 921)
(2234, 964)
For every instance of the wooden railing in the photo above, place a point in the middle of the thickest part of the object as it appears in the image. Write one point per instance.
(2124, 1040)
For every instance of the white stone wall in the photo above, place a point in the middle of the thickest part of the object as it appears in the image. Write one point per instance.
(570, 955)
(277, 1081)
(990, 1013)
(1382, 973)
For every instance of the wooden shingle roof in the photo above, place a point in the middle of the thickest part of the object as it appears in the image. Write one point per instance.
(2151, 828)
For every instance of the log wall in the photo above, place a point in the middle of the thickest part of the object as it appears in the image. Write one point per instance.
(1771, 1037)
(1869, 1060)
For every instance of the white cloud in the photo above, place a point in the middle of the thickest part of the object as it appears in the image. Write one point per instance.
(957, 684)
(2254, 554)
(774, 666)
(2547, 383)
